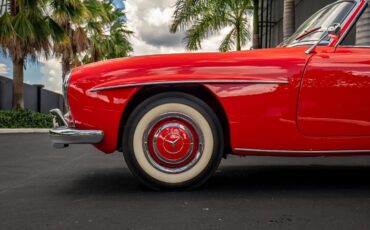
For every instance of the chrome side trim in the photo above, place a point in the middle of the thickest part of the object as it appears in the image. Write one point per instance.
(189, 82)
(299, 152)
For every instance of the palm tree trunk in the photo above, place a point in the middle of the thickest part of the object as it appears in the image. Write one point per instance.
(18, 71)
(363, 29)
(96, 55)
(256, 26)
(13, 7)
(289, 18)
(238, 38)
(66, 66)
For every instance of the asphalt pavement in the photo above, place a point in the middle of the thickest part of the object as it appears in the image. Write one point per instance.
(81, 188)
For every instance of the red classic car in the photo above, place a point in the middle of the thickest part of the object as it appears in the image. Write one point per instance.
(175, 116)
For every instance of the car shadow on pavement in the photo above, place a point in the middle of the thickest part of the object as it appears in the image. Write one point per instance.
(263, 180)
(285, 178)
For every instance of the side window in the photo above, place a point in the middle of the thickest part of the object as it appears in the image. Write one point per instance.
(359, 34)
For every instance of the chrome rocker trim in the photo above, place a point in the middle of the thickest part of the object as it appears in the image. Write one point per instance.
(300, 151)
(62, 136)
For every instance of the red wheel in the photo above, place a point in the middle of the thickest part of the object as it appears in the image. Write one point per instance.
(173, 140)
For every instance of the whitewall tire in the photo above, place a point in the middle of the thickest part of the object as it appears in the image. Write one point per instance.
(173, 141)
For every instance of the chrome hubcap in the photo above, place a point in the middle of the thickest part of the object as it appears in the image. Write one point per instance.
(173, 143)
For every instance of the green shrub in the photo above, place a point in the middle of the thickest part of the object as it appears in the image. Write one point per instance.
(25, 119)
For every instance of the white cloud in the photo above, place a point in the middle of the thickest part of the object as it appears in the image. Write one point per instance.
(4, 71)
(51, 74)
(158, 17)
(151, 20)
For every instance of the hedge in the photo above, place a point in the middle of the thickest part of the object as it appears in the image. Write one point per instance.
(25, 119)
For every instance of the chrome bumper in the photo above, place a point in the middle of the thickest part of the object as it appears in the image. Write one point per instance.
(62, 136)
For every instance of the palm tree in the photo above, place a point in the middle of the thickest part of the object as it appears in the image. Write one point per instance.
(25, 32)
(72, 15)
(205, 17)
(363, 29)
(109, 38)
(95, 32)
(289, 18)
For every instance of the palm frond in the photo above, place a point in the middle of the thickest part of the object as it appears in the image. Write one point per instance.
(245, 33)
(57, 32)
(7, 32)
(208, 24)
(228, 43)
(186, 11)
(202, 18)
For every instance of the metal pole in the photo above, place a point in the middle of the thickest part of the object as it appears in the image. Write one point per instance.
(266, 23)
(271, 24)
(261, 22)
(39, 88)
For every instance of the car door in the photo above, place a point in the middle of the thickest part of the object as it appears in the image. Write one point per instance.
(334, 98)
(335, 94)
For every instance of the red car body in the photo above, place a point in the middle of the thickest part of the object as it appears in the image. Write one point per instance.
(278, 101)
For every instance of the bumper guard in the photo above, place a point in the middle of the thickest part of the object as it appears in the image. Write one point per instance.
(62, 136)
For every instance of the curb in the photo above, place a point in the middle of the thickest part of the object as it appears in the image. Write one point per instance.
(25, 131)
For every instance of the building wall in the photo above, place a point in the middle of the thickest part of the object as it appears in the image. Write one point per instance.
(48, 99)
(304, 9)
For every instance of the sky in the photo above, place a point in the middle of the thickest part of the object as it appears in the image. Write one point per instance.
(149, 19)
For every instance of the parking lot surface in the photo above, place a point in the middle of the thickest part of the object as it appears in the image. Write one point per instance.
(81, 188)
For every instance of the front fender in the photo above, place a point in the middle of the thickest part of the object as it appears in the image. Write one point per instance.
(100, 110)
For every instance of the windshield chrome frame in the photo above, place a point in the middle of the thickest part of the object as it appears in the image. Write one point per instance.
(347, 18)
(345, 33)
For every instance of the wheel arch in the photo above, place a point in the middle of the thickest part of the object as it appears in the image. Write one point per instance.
(197, 90)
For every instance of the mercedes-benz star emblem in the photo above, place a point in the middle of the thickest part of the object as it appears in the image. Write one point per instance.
(173, 141)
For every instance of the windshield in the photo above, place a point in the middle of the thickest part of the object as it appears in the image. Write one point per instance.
(311, 30)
